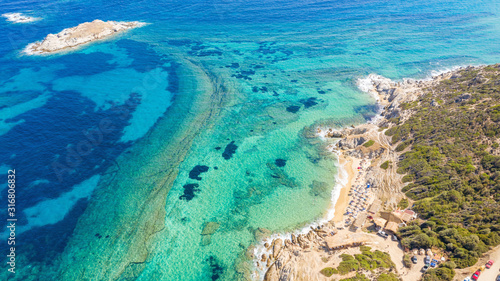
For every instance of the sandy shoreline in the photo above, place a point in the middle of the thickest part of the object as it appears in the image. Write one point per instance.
(347, 165)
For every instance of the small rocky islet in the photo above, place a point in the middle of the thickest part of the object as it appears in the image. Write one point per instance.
(84, 33)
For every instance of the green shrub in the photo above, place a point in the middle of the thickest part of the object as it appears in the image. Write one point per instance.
(403, 204)
(329, 271)
(439, 274)
(358, 277)
(347, 266)
(367, 260)
(385, 165)
(388, 277)
(407, 261)
(402, 146)
(369, 143)
(407, 178)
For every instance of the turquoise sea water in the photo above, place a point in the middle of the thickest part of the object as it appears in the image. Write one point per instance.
(125, 149)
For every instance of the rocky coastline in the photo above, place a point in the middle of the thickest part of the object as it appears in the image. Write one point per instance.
(301, 256)
(79, 35)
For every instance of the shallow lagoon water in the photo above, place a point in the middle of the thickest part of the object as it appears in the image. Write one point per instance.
(232, 86)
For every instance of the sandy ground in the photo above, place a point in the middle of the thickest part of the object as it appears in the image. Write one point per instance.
(487, 274)
(349, 165)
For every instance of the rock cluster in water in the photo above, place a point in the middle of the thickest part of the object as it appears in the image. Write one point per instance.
(82, 34)
(19, 18)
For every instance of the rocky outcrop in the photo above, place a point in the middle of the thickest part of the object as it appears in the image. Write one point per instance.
(351, 142)
(330, 133)
(370, 153)
(277, 245)
(82, 34)
(210, 228)
(280, 176)
(206, 234)
(261, 233)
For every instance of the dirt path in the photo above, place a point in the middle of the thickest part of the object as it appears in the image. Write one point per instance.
(487, 274)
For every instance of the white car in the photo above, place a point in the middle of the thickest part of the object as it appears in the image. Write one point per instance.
(467, 279)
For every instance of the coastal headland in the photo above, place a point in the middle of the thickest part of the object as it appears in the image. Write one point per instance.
(374, 211)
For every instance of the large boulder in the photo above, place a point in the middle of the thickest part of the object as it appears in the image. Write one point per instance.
(277, 246)
(350, 142)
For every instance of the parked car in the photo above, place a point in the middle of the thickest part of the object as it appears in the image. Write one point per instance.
(394, 238)
(476, 274)
(467, 279)
(489, 264)
(498, 277)
(427, 259)
(382, 233)
(426, 266)
(414, 259)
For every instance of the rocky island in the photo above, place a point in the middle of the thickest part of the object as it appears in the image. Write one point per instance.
(82, 34)
(425, 173)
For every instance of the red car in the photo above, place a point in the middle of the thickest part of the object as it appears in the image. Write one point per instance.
(489, 264)
(475, 276)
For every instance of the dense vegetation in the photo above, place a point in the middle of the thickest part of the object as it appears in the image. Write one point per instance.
(443, 272)
(403, 204)
(367, 260)
(407, 261)
(376, 262)
(451, 160)
(329, 271)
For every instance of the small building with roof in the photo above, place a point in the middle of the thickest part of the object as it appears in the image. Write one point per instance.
(360, 220)
(391, 217)
(374, 207)
(380, 222)
(392, 226)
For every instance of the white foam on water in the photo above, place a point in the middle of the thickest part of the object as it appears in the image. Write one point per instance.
(365, 84)
(19, 18)
(443, 70)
